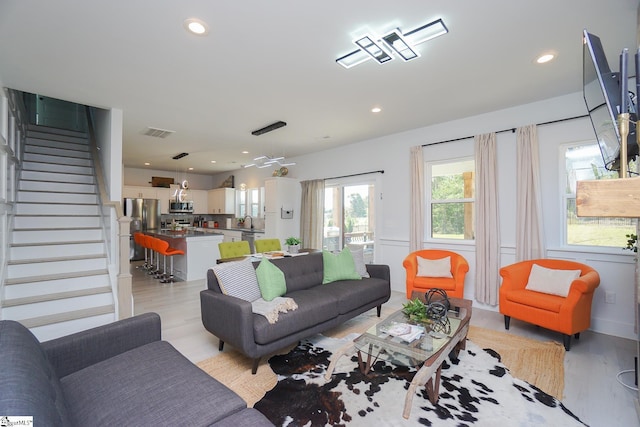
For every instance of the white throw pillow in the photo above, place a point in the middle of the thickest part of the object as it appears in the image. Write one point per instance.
(434, 267)
(551, 281)
(238, 279)
(358, 260)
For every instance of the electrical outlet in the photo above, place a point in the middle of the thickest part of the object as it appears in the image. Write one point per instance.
(610, 297)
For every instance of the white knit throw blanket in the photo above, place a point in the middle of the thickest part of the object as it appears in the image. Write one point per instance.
(271, 309)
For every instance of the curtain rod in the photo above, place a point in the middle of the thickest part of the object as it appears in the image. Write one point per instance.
(509, 130)
(354, 174)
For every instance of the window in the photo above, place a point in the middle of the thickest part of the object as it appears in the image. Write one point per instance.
(349, 216)
(451, 199)
(584, 162)
(250, 202)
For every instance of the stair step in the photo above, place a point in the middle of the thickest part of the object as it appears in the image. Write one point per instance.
(62, 208)
(25, 222)
(52, 131)
(56, 177)
(61, 265)
(57, 330)
(53, 259)
(14, 302)
(71, 242)
(57, 159)
(57, 186)
(83, 280)
(69, 249)
(55, 197)
(56, 167)
(57, 306)
(35, 322)
(35, 138)
(42, 235)
(54, 277)
(71, 152)
(78, 145)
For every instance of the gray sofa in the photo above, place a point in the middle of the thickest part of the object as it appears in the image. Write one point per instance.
(116, 374)
(320, 307)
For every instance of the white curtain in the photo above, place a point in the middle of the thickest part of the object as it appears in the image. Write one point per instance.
(487, 280)
(312, 221)
(529, 235)
(416, 210)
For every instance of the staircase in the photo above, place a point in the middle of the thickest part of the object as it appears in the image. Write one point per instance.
(57, 275)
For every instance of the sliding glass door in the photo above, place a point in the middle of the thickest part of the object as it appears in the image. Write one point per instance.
(349, 215)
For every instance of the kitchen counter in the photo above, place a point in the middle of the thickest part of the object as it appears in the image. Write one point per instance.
(244, 230)
(200, 251)
(177, 234)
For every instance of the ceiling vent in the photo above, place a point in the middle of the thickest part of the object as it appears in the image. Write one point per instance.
(272, 126)
(158, 133)
(179, 156)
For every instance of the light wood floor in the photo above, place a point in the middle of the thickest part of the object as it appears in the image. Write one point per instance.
(592, 390)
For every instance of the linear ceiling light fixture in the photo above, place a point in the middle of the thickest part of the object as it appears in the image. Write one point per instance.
(374, 49)
(400, 45)
(271, 127)
(267, 161)
(393, 43)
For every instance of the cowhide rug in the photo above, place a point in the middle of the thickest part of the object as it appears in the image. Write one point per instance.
(476, 390)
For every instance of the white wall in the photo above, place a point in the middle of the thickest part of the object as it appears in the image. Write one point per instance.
(108, 130)
(391, 154)
(142, 177)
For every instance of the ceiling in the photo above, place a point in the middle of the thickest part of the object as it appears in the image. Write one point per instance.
(267, 61)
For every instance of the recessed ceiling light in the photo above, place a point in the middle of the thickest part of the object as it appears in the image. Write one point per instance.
(190, 169)
(545, 58)
(196, 26)
(213, 161)
(147, 164)
(245, 152)
(376, 109)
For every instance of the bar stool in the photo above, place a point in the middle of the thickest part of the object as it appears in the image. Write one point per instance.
(146, 241)
(138, 238)
(167, 251)
(159, 246)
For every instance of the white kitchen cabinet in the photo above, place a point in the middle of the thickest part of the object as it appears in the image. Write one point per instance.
(139, 192)
(231, 235)
(222, 201)
(200, 200)
(164, 195)
(282, 208)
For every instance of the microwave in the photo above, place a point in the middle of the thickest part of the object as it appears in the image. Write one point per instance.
(180, 207)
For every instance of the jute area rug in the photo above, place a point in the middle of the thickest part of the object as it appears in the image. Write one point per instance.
(538, 363)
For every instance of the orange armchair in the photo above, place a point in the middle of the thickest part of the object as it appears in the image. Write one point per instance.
(453, 286)
(568, 315)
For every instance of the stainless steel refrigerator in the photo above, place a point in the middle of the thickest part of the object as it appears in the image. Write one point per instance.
(145, 215)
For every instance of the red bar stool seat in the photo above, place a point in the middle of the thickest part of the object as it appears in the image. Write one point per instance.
(169, 252)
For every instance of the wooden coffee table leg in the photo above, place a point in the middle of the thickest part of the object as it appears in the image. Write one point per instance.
(345, 349)
(433, 387)
(421, 377)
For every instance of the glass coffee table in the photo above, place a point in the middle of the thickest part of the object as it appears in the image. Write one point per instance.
(386, 341)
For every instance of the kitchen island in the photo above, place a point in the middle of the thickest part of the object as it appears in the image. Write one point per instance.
(200, 251)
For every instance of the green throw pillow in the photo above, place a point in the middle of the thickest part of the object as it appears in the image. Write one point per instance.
(270, 280)
(339, 266)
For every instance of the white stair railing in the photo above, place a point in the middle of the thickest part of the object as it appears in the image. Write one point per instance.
(116, 227)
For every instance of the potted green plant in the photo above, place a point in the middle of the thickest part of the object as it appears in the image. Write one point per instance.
(294, 244)
(416, 310)
(632, 240)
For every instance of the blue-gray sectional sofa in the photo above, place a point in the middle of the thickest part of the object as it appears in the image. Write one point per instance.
(113, 375)
(320, 306)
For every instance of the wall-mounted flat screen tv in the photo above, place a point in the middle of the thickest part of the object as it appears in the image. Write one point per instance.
(602, 95)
